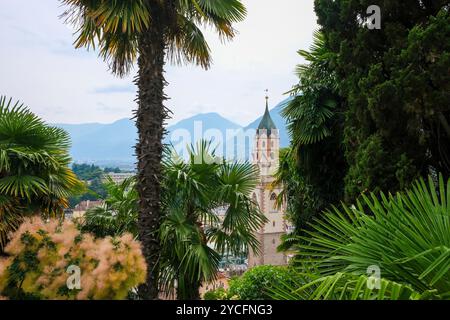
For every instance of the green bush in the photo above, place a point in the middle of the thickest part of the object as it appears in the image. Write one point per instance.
(218, 294)
(257, 282)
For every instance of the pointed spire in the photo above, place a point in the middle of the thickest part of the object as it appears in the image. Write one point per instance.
(267, 99)
(267, 122)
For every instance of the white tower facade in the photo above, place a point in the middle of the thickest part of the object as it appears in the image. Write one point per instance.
(265, 155)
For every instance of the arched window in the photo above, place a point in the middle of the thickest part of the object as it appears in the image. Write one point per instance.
(272, 144)
(273, 203)
(264, 144)
(273, 224)
(273, 241)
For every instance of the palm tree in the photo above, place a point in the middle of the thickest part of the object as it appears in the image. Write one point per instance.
(34, 168)
(151, 31)
(405, 236)
(118, 214)
(314, 100)
(194, 237)
(312, 172)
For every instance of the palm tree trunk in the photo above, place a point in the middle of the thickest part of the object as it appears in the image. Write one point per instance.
(150, 118)
(194, 292)
(188, 290)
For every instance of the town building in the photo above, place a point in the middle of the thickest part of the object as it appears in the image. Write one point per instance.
(118, 178)
(81, 208)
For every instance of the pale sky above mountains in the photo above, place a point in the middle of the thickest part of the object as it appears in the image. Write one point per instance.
(39, 66)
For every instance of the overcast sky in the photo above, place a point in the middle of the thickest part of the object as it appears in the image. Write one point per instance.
(39, 66)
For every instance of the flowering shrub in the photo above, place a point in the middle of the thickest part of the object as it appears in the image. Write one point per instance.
(40, 254)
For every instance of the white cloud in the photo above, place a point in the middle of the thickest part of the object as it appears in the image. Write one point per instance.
(61, 84)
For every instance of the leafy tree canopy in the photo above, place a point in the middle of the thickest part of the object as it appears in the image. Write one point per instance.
(396, 85)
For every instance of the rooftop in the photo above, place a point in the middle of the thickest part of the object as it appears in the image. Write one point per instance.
(267, 122)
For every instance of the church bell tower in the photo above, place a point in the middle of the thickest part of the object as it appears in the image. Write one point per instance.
(265, 156)
(266, 145)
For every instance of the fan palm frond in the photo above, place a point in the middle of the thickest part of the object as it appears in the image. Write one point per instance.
(115, 27)
(344, 286)
(34, 160)
(406, 236)
(118, 214)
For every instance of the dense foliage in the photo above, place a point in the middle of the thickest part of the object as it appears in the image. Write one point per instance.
(40, 254)
(258, 282)
(112, 170)
(117, 215)
(371, 109)
(313, 169)
(405, 236)
(34, 168)
(395, 82)
(217, 294)
(87, 172)
(93, 177)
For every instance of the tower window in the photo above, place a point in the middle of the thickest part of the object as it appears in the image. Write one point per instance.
(273, 203)
(264, 144)
(273, 241)
(273, 223)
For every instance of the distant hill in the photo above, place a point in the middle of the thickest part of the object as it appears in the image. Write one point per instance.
(112, 144)
(102, 142)
(208, 126)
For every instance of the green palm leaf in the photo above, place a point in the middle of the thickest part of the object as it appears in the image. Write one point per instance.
(342, 286)
(115, 27)
(118, 214)
(34, 173)
(407, 236)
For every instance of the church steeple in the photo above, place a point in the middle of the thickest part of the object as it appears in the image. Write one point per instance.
(267, 122)
(266, 149)
(266, 144)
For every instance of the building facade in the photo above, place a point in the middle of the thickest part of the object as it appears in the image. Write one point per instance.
(80, 209)
(265, 155)
(118, 178)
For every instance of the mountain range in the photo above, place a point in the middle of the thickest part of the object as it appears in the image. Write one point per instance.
(112, 144)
